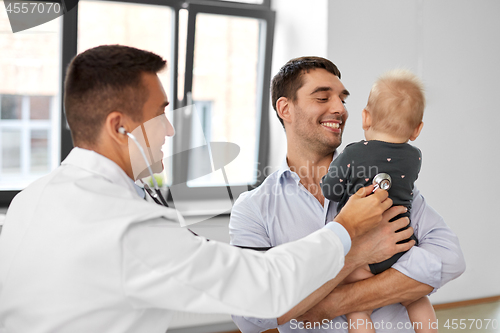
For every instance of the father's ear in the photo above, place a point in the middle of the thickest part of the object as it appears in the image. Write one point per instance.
(283, 109)
(367, 119)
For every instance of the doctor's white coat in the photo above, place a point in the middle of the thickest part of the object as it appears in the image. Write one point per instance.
(81, 252)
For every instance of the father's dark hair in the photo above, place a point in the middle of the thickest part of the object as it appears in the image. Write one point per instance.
(289, 78)
(104, 79)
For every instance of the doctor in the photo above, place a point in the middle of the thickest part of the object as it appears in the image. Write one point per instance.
(81, 251)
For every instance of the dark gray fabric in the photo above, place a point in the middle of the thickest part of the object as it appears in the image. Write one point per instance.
(358, 164)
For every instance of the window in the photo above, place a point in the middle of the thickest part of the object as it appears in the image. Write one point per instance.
(227, 75)
(217, 80)
(29, 104)
(27, 147)
(225, 72)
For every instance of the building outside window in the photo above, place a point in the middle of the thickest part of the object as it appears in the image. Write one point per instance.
(29, 102)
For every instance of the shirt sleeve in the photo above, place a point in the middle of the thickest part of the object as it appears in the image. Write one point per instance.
(165, 266)
(246, 228)
(342, 233)
(438, 257)
(246, 225)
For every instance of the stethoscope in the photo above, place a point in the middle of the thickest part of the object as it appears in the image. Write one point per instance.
(383, 181)
(155, 193)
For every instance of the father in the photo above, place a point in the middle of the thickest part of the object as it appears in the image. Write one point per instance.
(309, 99)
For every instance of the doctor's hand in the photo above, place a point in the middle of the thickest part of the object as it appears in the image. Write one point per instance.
(363, 211)
(380, 243)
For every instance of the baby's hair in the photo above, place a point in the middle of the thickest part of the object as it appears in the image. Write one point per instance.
(396, 103)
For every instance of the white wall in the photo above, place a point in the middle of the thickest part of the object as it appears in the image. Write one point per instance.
(454, 45)
(301, 29)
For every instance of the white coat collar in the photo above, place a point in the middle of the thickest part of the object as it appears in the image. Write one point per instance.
(96, 163)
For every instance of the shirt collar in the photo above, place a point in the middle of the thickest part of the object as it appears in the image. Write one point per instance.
(140, 190)
(96, 163)
(284, 169)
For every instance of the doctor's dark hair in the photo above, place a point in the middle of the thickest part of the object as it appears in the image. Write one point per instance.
(289, 78)
(104, 79)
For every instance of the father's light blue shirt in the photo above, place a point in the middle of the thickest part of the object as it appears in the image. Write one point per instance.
(282, 210)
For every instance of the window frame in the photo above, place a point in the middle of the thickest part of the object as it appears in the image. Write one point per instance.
(69, 44)
(6, 196)
(263, 81)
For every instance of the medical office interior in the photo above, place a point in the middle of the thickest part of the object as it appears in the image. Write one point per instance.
(222, 61)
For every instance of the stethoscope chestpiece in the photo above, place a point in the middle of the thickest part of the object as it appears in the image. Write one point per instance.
(382, 181)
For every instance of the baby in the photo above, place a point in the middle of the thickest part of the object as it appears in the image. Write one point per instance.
(392, 117)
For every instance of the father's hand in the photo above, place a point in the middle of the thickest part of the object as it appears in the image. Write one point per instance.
(363, 211)
(380, 243)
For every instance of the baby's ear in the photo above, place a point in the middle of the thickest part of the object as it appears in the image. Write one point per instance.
(367, 119)
(416, 132)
